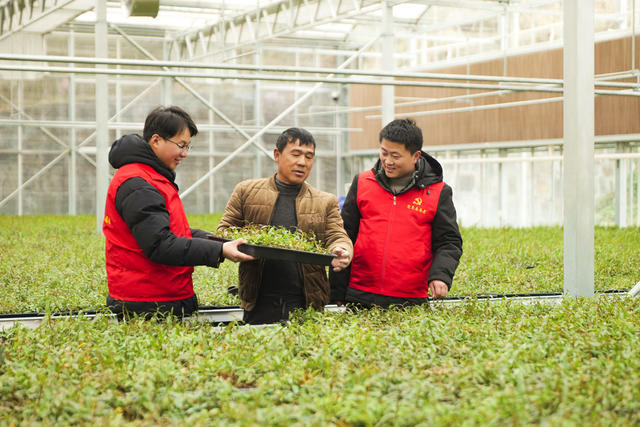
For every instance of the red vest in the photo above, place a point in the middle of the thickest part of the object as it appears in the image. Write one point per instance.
(132, 276)
(392, 254)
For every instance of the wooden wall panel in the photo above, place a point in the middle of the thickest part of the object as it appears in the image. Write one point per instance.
(614, 114)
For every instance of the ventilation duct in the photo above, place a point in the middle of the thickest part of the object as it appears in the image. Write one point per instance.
(142, 7)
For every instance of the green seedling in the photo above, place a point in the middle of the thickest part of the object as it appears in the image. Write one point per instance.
(279, 237)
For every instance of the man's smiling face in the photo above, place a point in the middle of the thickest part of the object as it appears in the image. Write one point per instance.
(168, 149)
(294, 162)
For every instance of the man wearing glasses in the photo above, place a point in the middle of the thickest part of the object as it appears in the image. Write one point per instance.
(150, 248)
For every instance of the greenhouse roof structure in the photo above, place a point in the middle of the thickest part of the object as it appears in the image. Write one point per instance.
(432, 32)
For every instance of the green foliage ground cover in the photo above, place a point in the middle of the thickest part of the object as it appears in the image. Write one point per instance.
(54, 263)
(479, 363)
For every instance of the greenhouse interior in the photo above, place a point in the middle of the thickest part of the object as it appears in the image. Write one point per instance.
(532, 107)
(246, 71)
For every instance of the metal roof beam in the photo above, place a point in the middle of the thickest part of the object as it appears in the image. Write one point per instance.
(24, 15)
(275, 20)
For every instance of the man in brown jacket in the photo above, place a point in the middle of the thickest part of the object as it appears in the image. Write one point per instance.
(270, 290)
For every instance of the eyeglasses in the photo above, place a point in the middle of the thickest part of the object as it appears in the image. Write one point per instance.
(185, 148)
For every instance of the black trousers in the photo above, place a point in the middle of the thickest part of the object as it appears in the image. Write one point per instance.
(147, 309)
(358, 299)
(273, 309)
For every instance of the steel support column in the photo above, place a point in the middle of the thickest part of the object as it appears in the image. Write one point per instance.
(553, 178)
(73, 153)
(388, 62)
(632, 173)
(578, 154)
(637, 193)
(212, 160)
(483, 191)
(20, 156)
(167, 82)
(524, 191)
(257, 114)
(532, 189)
(502, 190)
(118, 88)
(629, 181)
(342, 142)
(621, 187)
(102, 113)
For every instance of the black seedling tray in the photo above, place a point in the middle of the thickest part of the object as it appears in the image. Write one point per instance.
(270, 252)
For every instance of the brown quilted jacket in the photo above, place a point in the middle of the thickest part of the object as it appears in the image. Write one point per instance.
(253, 200)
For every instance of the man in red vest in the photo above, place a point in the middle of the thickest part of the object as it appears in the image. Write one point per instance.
(150, 248)
(401, 219)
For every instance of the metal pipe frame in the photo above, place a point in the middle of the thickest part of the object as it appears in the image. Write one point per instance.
(154, 63)
(266, 68)
(20, 157)
(476, 107)
(73, 155)
(621, 201)
(43, 13)
(600, 140)
(388, 52)
(428, 101)
(638, 193)
(140, 73)
(177, 74)
(520, 50)
(29, 121)
(528, 157)
(102, 113)
(528, 160)
(37, 175)
(465, 77)
(193, 92)
(67, 124)
(262, 24)
(272, 123)
(315, 13)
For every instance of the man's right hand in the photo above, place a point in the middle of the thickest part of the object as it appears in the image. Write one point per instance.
(438, 289)
(230, 251)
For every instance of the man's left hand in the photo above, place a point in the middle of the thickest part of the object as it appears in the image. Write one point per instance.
(342, 259)
(438, 289)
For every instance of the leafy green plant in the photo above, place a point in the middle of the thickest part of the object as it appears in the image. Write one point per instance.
(56, 263)
(476, 364)
(279, 237)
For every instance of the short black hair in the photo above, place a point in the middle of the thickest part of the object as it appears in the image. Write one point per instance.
(167, 122)
(292, 135)
(403, 131)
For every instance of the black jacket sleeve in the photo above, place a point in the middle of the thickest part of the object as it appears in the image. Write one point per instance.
(351, 217)
(144, 211)
(446, 242)
(200, 234)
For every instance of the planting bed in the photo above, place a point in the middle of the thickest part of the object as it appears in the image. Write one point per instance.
(56, 263)
(477, 363)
